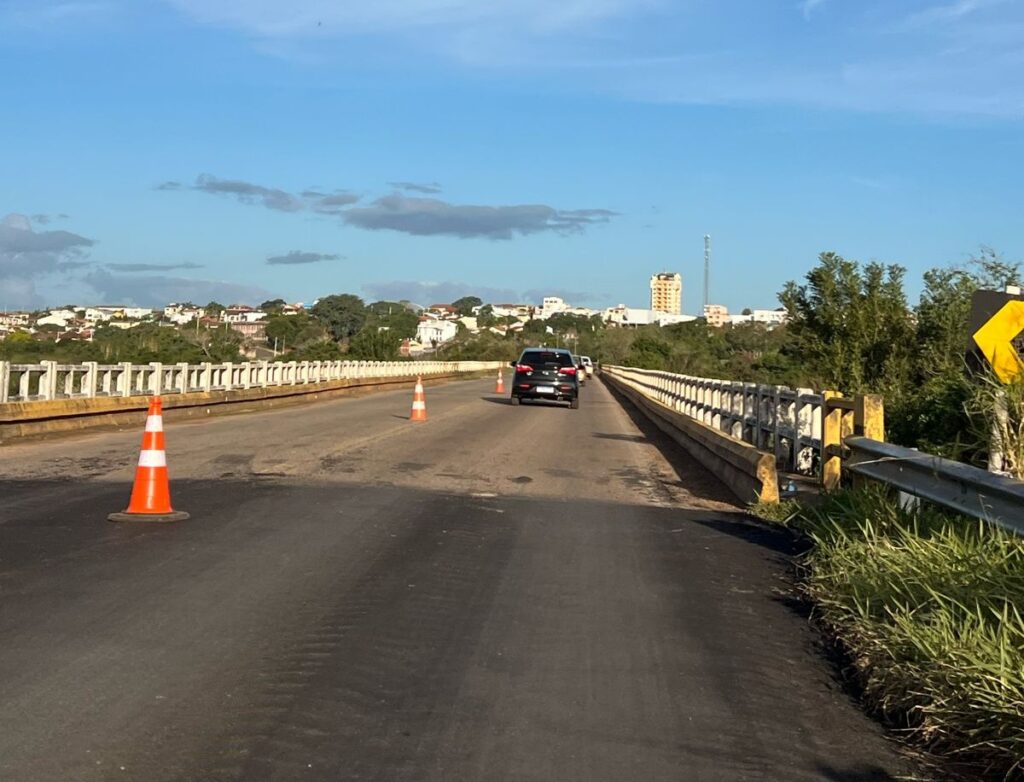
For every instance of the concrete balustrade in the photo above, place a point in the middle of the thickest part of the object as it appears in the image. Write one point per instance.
(777, 419)
(49, 381)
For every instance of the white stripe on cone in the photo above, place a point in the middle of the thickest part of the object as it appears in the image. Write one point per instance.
(417, 405)
(152, 459)
(154, 423)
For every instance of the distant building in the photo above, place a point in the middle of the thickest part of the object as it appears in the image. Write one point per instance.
(443, 310)
(14, 320)
(430, 332)
(551, 305)
(243, 314)
(180, 314)
(770, 318)
(667, 293)
(634, 317)
(716, 315)
(524, 311)
(254, 330)
(59, 318)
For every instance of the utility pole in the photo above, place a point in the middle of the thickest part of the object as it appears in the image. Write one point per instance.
(707, 269)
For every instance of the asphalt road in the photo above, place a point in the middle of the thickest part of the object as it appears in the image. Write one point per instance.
(501, 593)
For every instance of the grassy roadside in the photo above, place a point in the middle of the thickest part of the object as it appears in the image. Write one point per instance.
(928, 607)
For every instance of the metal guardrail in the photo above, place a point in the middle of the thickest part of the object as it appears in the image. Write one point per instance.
(49, 380)
(846, 435)
(953, 485)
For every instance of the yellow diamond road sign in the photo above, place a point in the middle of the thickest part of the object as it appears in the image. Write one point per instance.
(995, 340)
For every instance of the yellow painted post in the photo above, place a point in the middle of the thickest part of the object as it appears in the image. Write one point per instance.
(869, 417)
(868, 421)
(831, 441)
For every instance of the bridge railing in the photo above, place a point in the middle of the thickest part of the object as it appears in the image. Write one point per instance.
(788, 422)
(838, 434)
(50, 380)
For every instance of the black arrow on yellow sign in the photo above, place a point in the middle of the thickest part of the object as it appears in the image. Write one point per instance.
(995, 339)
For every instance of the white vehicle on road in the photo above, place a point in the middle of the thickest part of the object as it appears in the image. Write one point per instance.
(588, 364)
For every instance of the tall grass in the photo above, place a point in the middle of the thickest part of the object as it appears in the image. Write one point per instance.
(928, 606)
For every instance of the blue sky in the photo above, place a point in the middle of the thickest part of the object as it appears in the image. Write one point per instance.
(241, 149)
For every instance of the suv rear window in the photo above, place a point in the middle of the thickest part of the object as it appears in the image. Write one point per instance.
(546, 359)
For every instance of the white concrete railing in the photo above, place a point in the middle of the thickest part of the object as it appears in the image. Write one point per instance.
(778, 419)
(50, 380)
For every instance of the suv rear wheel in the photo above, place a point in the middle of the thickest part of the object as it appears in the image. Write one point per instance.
(575, 403)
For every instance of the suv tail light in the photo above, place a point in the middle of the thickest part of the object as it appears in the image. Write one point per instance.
(524, 369)
(567, 371)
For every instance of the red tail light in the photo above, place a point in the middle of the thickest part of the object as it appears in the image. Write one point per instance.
(567, 371)
(524, 369)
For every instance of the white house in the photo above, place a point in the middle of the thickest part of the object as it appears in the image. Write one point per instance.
(551, 305)
(770, 318)
(431, 332)
(243, 315)
(511, 310)
(56, 318)
(97, 314)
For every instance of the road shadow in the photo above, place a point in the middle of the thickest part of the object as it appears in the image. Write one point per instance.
(626, 438)
(758, 533)
(693, 476)
(525, 402)
(855, 774)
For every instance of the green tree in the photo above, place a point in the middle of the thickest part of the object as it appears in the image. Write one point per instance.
(343, 314)
(394, 316)
(294, 331)
(465, 305)
(273, 305)
(374, 344)
(214, 308)
(934, 416)
(485, 317)
(852, 325)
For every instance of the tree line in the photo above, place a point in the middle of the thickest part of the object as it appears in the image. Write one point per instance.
(851, 328)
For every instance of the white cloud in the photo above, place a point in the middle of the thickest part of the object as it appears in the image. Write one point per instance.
(27, 256)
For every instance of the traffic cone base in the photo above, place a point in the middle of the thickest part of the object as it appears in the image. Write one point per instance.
(151, 492)
(419, 402)
(174, 515)
(500, 387)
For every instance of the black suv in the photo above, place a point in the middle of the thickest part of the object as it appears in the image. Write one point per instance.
(546, 373)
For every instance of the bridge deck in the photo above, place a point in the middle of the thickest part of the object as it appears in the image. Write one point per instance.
(500, 593)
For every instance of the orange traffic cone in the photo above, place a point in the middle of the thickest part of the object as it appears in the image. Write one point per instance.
(500, 387)
(151, 494)
(419, 402)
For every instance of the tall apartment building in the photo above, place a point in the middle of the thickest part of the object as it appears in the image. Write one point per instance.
(667, 293)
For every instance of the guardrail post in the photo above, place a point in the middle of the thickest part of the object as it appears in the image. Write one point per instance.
(869, 417)
(868, 421)
(5, 380)
(831, 442)
(229, 376)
